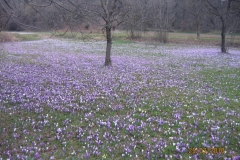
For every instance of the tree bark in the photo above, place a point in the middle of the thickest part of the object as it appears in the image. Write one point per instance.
(223, 35)
(108, 61)
(198, 30)
(132, 33)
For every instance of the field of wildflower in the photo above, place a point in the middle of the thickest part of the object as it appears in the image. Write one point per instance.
(57, 101)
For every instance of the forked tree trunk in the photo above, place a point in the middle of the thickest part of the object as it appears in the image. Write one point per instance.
(223, 35)
(108, 61)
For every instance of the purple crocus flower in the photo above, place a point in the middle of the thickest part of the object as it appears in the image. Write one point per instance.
(59, 130)
(37, 155)
(87, 155)
(236, 158)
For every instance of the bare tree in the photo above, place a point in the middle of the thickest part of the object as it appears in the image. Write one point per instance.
(162, 17)
(226, 12)
(107, 14)
(197, 9)
(112, 12)
(132, 23)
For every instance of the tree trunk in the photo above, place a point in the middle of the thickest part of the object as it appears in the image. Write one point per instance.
(108, 61)
(198, 31)
(132, 33)
(223, 35)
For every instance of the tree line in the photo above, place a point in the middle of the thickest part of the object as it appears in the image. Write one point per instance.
(134, 16)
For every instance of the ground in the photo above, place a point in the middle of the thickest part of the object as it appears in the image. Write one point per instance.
(57, 101)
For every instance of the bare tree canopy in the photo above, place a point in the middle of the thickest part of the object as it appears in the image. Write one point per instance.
(108, 14)
(226, 11)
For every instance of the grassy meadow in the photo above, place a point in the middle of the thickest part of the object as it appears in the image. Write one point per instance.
(157, 101)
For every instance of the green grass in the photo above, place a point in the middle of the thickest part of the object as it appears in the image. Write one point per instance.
(26, 37)
(122, 37)
(226, 80)
(120, 42)
(118, 37)
(205, 38)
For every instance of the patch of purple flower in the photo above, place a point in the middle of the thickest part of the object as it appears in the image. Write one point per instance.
(57, 101)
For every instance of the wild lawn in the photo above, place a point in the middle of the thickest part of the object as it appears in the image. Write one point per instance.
(232, 40)
(15, 36)
(124, 37)
(205, 39)
(57, 101)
